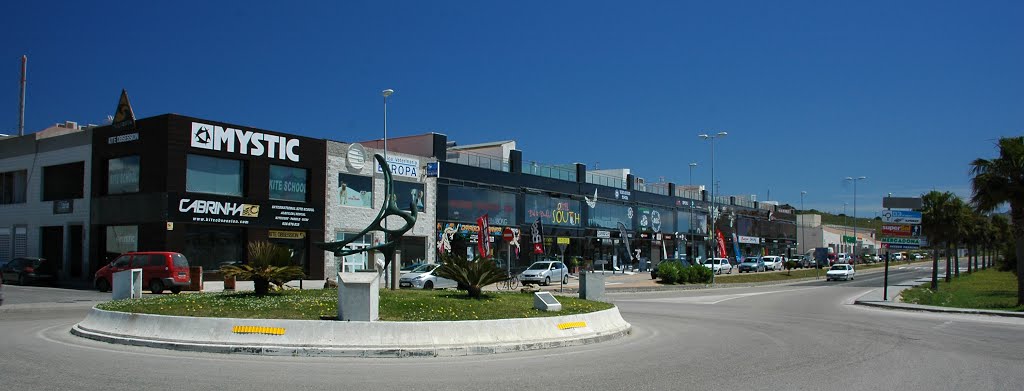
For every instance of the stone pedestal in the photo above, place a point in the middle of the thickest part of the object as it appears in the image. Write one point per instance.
(592, 286)
(359, 296)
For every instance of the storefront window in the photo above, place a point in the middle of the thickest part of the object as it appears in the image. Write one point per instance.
(358, 261)
(656, 219)
(407, 192)
(123, 175)
(467, 204)
(700, 223)
(287, 183)
(356, 191)
(610, 215)
(210, 246)
(561, 212)
(214, 176)
(121, 239)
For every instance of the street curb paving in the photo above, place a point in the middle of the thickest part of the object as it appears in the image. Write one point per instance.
(352, 339)
(929, 308)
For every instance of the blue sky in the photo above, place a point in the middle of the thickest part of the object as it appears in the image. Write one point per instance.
(906, 93)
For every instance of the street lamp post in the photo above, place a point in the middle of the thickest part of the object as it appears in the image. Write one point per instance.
(854, 180)
(392, 273)
(846, 224)
(714, 219)
(692, 165)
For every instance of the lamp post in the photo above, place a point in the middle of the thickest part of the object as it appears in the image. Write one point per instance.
(854, 180)
(714, 219)
(392, 273)
(692, 165)
(846, 224)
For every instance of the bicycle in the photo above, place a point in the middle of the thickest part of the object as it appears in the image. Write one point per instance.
(511, 284)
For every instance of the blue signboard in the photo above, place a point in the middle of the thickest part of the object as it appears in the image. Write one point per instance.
(901, 216)
(432, 170)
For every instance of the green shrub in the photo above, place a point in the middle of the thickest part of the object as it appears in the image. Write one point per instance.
(699, 275)
(668, 272)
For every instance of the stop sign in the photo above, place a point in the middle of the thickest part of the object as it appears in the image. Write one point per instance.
(508, 235)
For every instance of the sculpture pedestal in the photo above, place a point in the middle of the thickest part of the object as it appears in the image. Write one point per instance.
(359, 296)
(127, 284)
(592, 286)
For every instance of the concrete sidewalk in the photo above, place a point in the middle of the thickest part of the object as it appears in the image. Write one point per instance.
(875, 299)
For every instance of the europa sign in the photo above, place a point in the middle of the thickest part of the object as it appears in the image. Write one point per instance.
(901, 230)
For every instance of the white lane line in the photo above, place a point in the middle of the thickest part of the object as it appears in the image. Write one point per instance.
(714, 299)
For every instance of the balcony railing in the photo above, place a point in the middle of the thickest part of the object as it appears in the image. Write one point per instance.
(689, 194)
(478, 160)
(550, 171)
(606, 180)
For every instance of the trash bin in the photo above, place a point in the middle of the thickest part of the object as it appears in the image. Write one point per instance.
(195, 274)
(229, 283)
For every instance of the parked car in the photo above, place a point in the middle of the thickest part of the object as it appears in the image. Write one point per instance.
(545, 272)
(717, 265)
(843, 258)
(897, 256)
(425, 277)
(160, 270)
(410, 267)
(28, 270)
(773, 262)
(840, 271)
(751, 264)
(681, 261)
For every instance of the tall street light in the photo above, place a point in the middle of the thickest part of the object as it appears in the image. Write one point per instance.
(692, 165)
(854, 180)
(393, 268)
(846, 224)
(714, 217)
(799, 226)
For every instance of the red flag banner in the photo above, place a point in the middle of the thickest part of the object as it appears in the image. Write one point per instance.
(721, 245)
(483, 239)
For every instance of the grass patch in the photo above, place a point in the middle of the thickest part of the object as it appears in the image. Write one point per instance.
(401, 305)
(987, 289)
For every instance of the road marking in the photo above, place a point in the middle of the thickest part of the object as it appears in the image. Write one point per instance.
(714, 299)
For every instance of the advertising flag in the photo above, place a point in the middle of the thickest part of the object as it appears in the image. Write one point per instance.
(721, 243)
(483, 238)
(625, 241)
(538, 241)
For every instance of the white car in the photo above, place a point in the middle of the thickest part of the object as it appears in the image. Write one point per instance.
(545, 272)
(423, 277)
(718, 265)
(840, 271)
(773, 262)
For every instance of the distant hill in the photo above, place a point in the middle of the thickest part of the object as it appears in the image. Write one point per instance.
(840, 219)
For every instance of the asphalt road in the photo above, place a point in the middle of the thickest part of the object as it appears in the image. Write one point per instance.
(804, 336)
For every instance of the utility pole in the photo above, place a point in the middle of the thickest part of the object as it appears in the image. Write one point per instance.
(21, 104)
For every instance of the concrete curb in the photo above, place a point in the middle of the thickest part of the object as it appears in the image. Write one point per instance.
(352, 339)
(891, 305)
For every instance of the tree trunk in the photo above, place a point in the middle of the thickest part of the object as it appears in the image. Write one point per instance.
(956, 261)
(474, 291)
(935, 269)
(1017, 214)
(262, 286)
(949, 263)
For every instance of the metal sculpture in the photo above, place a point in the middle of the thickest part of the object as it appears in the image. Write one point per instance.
(391, 236)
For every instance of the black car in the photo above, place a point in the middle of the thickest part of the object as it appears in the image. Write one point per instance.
(26, 270)
(681, 262)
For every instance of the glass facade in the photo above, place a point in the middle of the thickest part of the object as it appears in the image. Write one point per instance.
(212, 175)
(64, 181)
(355, 191)
(123, 175)
(656, 219)
(606, 215)
(288, 183)
(209, 245)
(121, 239)
(555, 212)
(12, 186)
(466, 204)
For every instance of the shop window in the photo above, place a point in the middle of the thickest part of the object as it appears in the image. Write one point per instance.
(356, 261)
(123, 175)
(355, 191)
(12, 187)
(212, 175)
(121, 239)
(211, 246)
(288, 183)
(407, 193)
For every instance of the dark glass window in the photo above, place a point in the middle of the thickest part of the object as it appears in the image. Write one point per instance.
(64, 181)
(552, 211)
(354, 190)
(288, 183)
(656, 219)
(607, 215)
(212, 175)
(12, 186)
(122, 239)
(466, 204)
(209, 246)
(406, 192)
(123, 175)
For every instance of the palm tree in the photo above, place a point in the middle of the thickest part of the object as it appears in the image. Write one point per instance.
(956, 233)
(999, 181)
(1001, 235)
(935, 223)
(267, 263)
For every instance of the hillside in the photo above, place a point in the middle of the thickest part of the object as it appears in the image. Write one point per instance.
(862, 223)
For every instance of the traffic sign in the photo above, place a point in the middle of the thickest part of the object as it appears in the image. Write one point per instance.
(901, 216)
(508, 235)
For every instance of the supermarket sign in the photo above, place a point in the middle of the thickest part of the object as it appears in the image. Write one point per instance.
(901, 230)
(915, 242)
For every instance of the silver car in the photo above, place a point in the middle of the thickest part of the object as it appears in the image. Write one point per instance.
(545, 272)
(425, 277)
